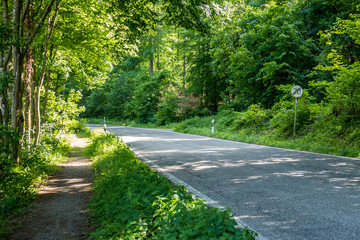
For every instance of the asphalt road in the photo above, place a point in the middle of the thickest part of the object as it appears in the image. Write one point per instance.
(279, 193)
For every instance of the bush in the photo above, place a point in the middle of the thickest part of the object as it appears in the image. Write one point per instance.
(167, 112)
(255, 116)
(78, 127)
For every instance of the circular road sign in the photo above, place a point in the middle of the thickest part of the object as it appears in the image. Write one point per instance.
(296, 91)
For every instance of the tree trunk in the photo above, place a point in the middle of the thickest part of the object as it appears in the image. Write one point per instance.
(184, 64)
(50, 29)
(29, 71)
(151, 57)
(158, 60)
(48, 78)
(46, 96)
(16, 111)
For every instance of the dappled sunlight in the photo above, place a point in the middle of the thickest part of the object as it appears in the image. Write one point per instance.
(251, 178)
(170, 168)
(200, 167)
(273, 161)
(294, 174)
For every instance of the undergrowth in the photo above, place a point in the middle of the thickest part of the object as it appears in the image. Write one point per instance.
(131, 201)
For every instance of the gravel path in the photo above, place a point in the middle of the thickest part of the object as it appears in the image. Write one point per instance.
(61, 209)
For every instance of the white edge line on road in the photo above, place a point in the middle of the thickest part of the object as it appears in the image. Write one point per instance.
(208, 201)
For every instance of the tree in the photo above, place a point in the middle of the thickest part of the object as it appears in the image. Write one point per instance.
(15, 20)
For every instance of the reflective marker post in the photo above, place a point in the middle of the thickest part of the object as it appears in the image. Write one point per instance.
(296, 92)
(104, 125)
(213, 127)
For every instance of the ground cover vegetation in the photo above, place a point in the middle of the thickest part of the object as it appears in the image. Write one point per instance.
(132, 201)
(239, 67)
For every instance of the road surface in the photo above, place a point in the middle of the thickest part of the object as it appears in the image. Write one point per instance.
(279, 193)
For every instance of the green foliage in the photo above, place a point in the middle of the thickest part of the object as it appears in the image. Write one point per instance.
(78, 127)
(255, 116)
(168, 110)
(146, 99)
(241, 70)
(5, 38)
(131, 201)
(283, 112)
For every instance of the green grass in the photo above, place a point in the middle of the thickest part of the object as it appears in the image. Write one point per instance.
(131, 201)
(127, 123)
(269, 138)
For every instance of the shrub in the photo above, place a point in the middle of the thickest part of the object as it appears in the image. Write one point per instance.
(167, 112)
(255, 116)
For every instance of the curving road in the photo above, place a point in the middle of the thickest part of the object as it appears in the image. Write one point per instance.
(279, 193)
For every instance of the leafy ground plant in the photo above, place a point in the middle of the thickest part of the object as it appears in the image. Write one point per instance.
(131, 201)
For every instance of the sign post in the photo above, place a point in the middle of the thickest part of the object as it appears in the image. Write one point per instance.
(296, 92)
(213, 127)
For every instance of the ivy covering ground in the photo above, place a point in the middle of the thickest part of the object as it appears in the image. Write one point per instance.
(131, 201)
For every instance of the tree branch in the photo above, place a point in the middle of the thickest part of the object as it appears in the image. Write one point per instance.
(46, 13)
(25, 11)
(5, 12)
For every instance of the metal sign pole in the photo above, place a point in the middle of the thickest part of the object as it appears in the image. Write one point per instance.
(296, 92)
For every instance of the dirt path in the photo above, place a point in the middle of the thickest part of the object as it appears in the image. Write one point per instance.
(61, 210)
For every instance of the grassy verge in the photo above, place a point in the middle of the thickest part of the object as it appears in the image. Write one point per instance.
(131, 201)
(128, 123)
(267, 136)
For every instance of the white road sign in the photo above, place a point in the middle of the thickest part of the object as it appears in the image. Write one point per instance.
(296, 91)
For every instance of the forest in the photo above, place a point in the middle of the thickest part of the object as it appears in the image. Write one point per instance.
(173, 61)
(236, 63)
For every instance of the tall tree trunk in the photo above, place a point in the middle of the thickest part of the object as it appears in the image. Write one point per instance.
(4, 61)
(184, 64)
(46, 96)
(158, 60)
(16, 113)
(50, 29)
(29, 73)
(28, 94)
(151, 56)
(33, 103)
(48, 78)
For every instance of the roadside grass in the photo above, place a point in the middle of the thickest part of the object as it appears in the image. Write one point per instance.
(268, 138)
(128, 123)
(132, 201)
